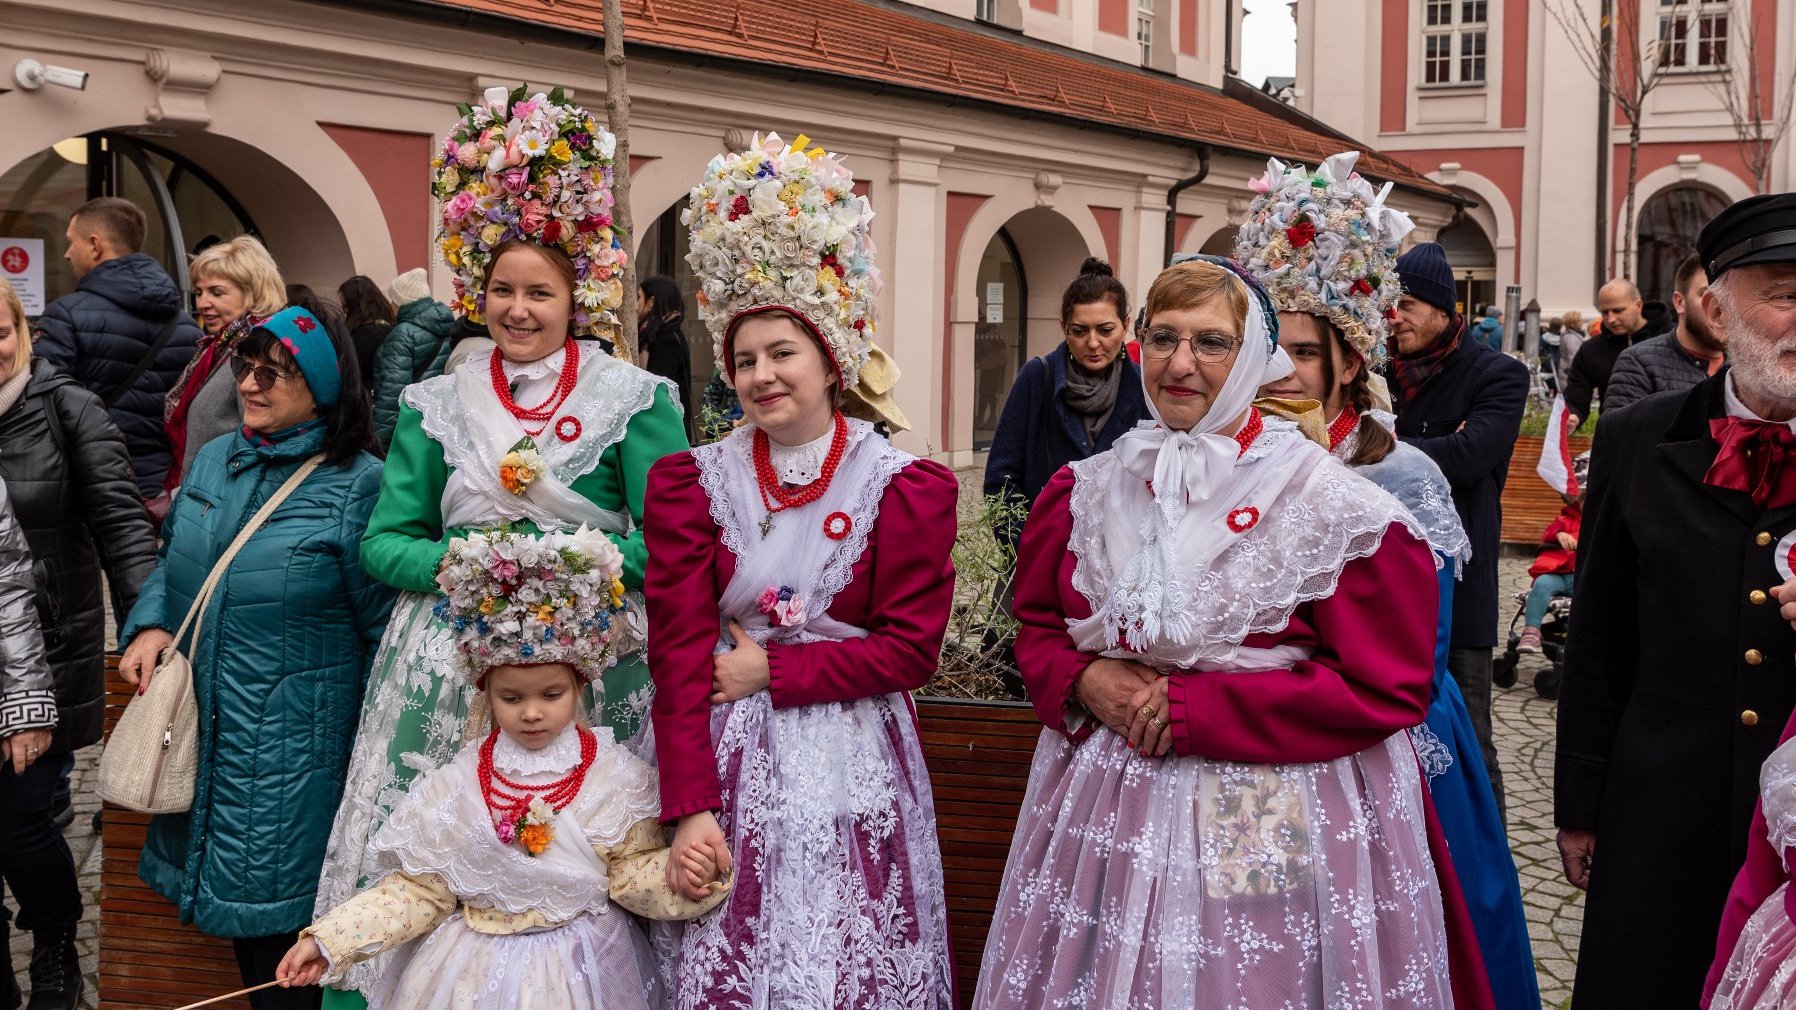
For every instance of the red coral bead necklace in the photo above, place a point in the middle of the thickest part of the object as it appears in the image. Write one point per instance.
(775, 495)
(544, 412)
(509, 800)
(1342, 426)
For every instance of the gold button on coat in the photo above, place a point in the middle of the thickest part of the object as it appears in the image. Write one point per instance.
(1749, 718)
(1754, 657)
(1758, 597)
(1763, 539)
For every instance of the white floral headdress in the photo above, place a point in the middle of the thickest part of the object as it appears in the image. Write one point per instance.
(780, 226)
(1324, 243)
(520, 598)
(536, 168)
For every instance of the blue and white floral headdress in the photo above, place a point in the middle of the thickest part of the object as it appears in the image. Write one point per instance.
(1324, 243)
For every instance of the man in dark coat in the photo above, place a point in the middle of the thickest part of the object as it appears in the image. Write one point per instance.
(1676, 360)
(1679, 671)
(1626, 321)
(1461, 403)
(122, 332)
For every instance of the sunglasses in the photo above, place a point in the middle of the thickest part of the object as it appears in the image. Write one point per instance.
(264, 376)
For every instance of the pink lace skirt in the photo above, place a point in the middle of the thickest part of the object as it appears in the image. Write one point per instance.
(1761, 975)
(838, 901)
(1185, 882)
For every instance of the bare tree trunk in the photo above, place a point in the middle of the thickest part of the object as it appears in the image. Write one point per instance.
(1627, 242)
(617, 115)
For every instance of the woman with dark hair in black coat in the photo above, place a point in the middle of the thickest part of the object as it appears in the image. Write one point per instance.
(369, 317)
(661, 345)
(69, 475)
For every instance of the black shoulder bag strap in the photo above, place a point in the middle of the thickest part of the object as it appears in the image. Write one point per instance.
(168, 331)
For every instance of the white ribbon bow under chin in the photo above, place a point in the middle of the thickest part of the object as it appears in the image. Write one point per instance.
(1187, 466)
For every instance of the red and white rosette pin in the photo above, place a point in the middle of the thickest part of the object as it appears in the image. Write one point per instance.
(1243, 519)
(1784, 557)
(837, 525)
(567, 429)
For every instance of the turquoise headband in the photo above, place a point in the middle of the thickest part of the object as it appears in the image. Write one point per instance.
(304, 337)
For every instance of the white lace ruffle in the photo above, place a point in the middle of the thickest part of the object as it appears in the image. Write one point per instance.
(800, 465)
(443, 827)
(1294, 553)
(1435, 756)
(1414, 479)
(561, 754)
(1777, 796)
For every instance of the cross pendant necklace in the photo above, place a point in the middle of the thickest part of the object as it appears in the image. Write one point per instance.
(766, 525)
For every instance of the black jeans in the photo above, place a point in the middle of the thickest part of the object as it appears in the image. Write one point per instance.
(35, 862)
(1471, 670)
(257, 958)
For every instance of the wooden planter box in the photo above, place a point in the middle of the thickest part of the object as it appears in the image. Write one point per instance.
(978, 754)
(1529, 504)
(147, 958)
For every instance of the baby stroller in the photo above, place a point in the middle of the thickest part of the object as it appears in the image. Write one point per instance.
(1553, 628)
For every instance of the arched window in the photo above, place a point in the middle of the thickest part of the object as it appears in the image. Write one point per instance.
(1000, 335)
(1474, 262)
(1669, 224)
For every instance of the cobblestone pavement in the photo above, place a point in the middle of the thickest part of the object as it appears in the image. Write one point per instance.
(1523, 724)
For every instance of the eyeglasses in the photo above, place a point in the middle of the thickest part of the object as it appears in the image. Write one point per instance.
(265, 376)
(1210, 347)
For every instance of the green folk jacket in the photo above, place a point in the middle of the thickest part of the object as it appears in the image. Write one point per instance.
(279, 665)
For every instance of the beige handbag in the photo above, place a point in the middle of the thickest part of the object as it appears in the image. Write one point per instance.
(153, 754)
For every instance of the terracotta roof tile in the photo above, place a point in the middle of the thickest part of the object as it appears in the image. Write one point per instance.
(877, 43)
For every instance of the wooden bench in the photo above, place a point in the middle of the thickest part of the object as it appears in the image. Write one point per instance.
(147, 958)
(1529, 503)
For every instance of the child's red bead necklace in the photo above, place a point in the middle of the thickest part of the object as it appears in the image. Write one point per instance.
(508, 800)
(544, 412)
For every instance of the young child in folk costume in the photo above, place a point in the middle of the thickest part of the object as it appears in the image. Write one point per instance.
(545, 432)
(802, 587)
(1227, 633)
(1324, 246)
(507, 867)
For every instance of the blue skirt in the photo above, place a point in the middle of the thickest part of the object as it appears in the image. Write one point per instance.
(1453, 762)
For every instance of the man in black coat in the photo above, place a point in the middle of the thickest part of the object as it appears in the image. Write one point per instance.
(1679, 671)
(1626, 321)
(122, 332)
(1461, 403)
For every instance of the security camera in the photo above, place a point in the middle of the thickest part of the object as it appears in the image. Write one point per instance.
(32, 75)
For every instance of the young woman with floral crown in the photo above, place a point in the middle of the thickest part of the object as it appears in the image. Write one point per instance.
(1324, 246)
(1226, 633)
(802, 587)
(545, 433)
(506, 868)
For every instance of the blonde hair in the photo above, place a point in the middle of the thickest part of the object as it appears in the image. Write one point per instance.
(1193, 283)
(244, 261)
(22, 357)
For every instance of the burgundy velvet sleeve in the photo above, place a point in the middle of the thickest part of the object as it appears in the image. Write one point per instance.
(912, 577)
(681, 590)
(1045, 654)
(1369, 677)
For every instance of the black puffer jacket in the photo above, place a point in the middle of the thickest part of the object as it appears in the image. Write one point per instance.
(65, 467)
(1652, 366)
(98, 333)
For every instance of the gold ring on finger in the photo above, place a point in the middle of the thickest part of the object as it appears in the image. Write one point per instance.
(1149, 712)
(1159, 723)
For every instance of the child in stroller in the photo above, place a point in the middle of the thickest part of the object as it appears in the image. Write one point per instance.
(1547, 603)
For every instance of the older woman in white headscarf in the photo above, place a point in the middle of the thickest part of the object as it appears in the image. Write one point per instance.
(1226, 633)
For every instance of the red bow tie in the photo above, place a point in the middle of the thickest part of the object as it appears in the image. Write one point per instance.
(1757, 457)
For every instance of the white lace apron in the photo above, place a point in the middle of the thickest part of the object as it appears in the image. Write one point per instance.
(596, 958)
(1192, 882)
(415, 707)
(838, 898)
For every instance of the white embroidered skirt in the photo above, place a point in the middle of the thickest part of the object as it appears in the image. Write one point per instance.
(1761, 974)
(596, 962)
(1185, 882)
(838, 900)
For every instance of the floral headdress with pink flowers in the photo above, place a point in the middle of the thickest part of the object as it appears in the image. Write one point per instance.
(780, 226)
(536, 168)
(1324, 243)
(516, 598)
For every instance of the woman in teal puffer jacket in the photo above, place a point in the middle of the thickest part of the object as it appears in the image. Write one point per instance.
(283, 649)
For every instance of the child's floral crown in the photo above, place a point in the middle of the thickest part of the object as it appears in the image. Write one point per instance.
(1324, 243)
(539, 169)
(781, 226)
(519, 598)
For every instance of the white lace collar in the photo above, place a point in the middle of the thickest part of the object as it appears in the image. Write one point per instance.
(544, 367)
(561, 755)
(799, 465)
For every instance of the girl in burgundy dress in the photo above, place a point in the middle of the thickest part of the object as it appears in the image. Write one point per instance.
(801, 586)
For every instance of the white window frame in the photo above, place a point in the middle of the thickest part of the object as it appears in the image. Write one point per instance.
(1144, 30)
(1452, 43)
(985, 10)
(1689, 29)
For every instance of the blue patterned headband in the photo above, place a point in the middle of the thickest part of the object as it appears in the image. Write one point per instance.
(305, 338)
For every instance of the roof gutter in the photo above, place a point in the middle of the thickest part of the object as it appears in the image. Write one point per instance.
(1172, 200)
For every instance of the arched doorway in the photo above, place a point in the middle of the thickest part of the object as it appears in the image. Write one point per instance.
(183, 205)
(1222, 243)
(1001, 334)
(1666, 234)
(1474, 262)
